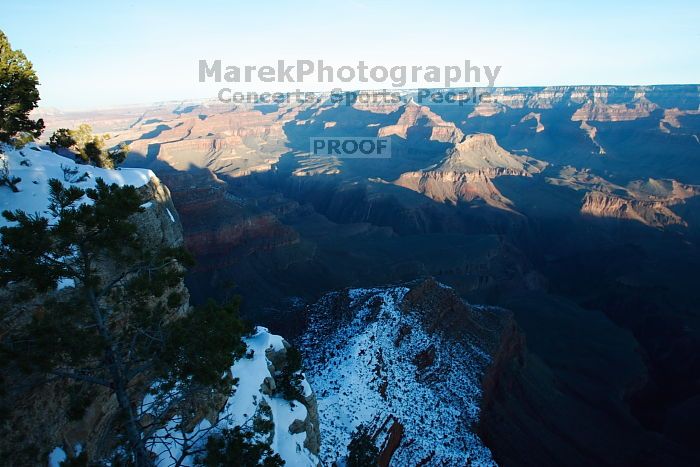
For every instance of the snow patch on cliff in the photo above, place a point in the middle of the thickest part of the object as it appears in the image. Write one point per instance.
(251, 371)
(35, 166)
(380, 365)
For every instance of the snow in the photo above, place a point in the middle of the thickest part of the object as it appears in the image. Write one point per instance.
(168, 449)
(147, 205)
(35, 166)
(57, 456)
(242, 405)
(363, 371)
(289, 446)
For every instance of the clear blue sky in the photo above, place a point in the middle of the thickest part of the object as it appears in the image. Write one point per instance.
(101, 53)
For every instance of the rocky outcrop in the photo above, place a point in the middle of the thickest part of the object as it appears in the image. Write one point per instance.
(651, 213)
(419, 115)
(591, 131)
(442, 311)
(672, 118)
(160, 221)
(670, 191)
(657, 203)
(481, 151)
(310, 424)
(466, 172)
(387, 357)
(538, 119)
(454, 187)
(598, 108)
(508, 357)
(377, 102)
(487, 108)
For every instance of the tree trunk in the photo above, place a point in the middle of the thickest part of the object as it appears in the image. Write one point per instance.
(116, 369)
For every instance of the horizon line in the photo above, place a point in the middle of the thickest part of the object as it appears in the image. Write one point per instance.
(205, 99)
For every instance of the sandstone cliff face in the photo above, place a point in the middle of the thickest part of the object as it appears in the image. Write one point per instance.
(651, 213)
(175, 121)
(420, 115)
(466, 172)
(601, 105)
(219, 228)
(481, 151)
(605, 102)
(538, 119)
(235, 143)
(488, 108)
(672, 118)
(602, 112)
(454, 187)
(652, 202)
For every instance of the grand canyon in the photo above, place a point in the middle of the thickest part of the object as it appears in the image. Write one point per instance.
(350, 234)
(572, 211)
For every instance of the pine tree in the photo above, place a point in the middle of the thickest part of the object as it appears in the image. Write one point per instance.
(289, 382)
(237, 447)
(115, 330)
(61, 138)
(6, 179)
(117, 155)
(91, 148)
(361, 451)
(18, 93)
(91, 152)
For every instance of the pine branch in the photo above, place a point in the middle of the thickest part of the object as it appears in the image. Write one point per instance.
(80, 377)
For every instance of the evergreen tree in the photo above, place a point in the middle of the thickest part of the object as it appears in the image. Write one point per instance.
(117, 155)
(61, 138)
(18, 93)
(82, 135)
(118, 328)
(289, 382)
(91, 152)
(361, 451)
(6, 179)
(237, 447)
(91, 148)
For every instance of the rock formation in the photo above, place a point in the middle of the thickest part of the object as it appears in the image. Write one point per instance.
(466, 173)
(538, 119)
(419, 115)
(651, 213)
(479, 214)
(387, 357)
